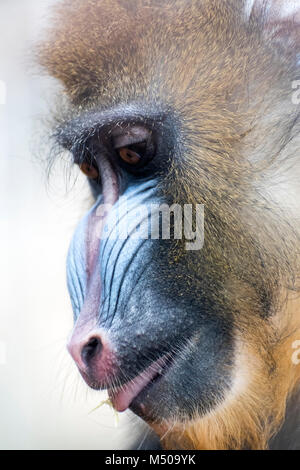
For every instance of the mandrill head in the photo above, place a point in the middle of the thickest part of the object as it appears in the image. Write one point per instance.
(185, 112)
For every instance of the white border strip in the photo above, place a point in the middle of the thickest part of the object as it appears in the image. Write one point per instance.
(2, 92)
(3, 353)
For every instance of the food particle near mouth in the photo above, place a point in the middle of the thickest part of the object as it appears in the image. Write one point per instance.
(109, 403)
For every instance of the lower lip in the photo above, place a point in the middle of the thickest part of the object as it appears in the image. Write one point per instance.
(129, 394)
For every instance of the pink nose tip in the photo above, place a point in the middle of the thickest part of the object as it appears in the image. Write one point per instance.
(86, 352)
(94, 356)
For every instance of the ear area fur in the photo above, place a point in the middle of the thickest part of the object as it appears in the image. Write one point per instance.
(280, 20)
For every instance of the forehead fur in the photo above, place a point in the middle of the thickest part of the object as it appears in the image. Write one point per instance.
(118, 51)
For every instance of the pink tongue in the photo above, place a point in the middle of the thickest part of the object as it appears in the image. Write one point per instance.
(122, 398)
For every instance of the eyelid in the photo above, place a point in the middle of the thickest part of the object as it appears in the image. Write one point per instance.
(135, 135)
(84, 157)
(128, 143)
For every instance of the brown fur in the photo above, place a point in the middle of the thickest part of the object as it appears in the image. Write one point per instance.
(231, 91)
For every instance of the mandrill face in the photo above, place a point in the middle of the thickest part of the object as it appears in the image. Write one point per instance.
(184, 112)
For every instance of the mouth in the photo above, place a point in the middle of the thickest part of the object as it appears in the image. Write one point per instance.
(128, 394)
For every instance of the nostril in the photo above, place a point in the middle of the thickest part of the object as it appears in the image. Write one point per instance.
(92, 349)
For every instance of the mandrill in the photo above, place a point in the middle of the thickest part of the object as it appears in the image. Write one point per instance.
(190, 107)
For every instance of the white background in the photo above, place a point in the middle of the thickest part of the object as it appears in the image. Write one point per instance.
(44, 404)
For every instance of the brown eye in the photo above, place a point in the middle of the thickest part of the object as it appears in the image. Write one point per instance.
(89, 170)
(129, 156)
